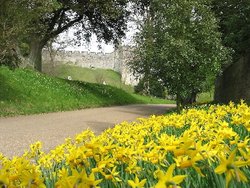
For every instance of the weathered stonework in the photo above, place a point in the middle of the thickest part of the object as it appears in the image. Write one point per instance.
(234, 83)
(116, 61)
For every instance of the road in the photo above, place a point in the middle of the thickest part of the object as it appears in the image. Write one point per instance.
(17, 133)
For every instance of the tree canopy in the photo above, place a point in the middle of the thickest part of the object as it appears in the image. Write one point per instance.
(107, 19)
(234, 22)
(16, 19)
(180, 45)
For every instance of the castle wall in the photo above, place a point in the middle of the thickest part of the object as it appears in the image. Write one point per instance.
(116, 61)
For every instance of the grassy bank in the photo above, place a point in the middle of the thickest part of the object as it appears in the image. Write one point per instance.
(94, 75)
(100, 76)
(28, 92)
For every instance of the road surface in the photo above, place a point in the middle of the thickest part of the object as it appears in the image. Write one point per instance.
(17, 133)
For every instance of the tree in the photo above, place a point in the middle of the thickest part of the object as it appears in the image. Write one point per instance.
(234, 22)
(150, 87)
(180, 46)
(16, 18)
(45, 20)
(107, 19)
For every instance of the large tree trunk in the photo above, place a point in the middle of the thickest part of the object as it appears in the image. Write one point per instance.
(35, 56)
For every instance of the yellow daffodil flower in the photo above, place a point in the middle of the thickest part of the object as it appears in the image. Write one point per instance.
(168, 180)
(136, 183)
(231, 168)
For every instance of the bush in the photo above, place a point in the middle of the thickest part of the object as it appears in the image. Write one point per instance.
(9, 57)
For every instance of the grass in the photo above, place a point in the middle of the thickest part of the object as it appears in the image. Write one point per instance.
(206, 97)
(95, 75)
(109, 76)
(25, 91)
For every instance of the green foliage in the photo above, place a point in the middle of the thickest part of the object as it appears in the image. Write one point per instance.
(24, 91)
(234, 21)
(106, 19)
(17, 20)
(205, 97)
(180, 45)
(152, 88)
(36, 22)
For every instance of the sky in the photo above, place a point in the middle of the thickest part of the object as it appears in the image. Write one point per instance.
(93, 45)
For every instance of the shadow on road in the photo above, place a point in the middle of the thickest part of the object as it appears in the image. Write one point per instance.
(98, 127)
(147, 110)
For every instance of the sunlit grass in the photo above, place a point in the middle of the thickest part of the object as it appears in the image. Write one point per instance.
(28, 92)
(92, 75)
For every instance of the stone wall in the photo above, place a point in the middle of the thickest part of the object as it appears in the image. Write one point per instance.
(116, 61)
(234, 83)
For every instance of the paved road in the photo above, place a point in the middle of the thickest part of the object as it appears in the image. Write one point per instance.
(17, 133)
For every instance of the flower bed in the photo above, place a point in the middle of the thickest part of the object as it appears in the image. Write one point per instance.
(201, 147)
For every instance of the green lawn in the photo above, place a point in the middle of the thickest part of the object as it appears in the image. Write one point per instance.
(27, 92)
(95, 75)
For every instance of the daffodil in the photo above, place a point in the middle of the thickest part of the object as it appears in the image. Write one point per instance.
(244, 143)
(231, 168)
(4, 180)
(78, 179)
(132, 167)
(111, 175)
(197, 138)
(168, 180)
(136, 183)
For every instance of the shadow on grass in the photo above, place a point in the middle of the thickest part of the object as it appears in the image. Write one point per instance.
(106, 94)
(7, 92)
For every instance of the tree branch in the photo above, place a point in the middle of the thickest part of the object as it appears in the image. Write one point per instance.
(61, 29)
(53, 21)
